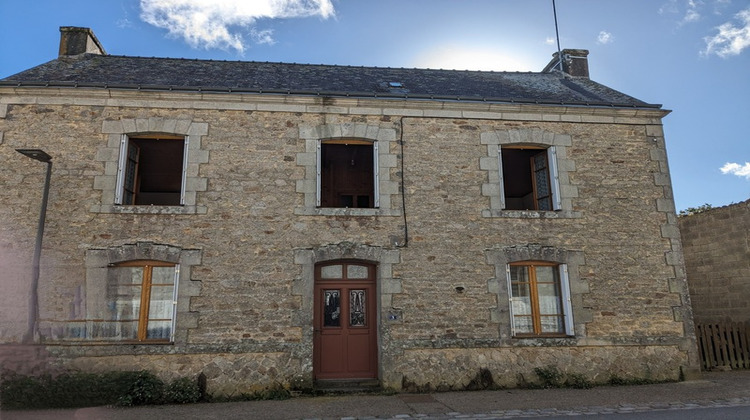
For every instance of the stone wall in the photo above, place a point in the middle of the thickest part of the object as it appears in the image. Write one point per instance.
(717, 259)
(246, 321)
(510, 367)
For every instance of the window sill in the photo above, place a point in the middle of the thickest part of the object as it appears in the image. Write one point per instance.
(106, 343)
(544, 340)
(531, 214)
(127, 209)
(334, 211)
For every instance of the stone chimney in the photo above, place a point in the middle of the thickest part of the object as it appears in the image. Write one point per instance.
(74, 41)
(574, 63)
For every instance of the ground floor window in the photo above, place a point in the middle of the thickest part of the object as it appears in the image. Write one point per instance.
(539, 299)
(141, 299)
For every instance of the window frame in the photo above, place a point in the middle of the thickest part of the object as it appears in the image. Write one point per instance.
(123, 167)
(553, 177)
(145, 298)
(564, 295)
(347, 142)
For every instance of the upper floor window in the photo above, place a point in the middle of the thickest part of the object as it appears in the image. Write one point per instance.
(539, 299)
(348, 174)
(151, 170)
(141, 301)
(528, 178)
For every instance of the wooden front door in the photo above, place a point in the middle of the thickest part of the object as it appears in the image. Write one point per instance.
(345, 321)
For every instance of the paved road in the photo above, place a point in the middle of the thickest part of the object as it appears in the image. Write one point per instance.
(723, 394)
(700, 413)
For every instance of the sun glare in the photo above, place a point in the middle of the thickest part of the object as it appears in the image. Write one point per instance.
(456, 57)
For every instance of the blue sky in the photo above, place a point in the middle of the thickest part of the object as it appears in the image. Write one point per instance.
(692, 56)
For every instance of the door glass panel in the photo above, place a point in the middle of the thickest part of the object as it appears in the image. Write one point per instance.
(523, 324)
(161, 302)
(162, 275)
(124, 293)
(520, 290)
(357, 308)
(549, 302)
(356, 271)
(332, 307)
(332, 272)
(519, 273)
(541, 178)
(552, 324)
(160, 330)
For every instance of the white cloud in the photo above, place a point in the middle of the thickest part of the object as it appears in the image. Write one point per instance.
(730, 39)
(736, 169)
(690, 10)
(124, 23)
(550, 41)
(604, 38)
(691, 15)
(264, 36)
(669, 7)
(216, 24)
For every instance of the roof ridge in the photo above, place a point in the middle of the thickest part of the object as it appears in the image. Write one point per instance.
(287, 63)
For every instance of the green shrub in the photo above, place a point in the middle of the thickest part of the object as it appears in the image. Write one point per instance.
(183, 391)
(578, 381)
(145, 389)
(20, 391)
(78, 389)
(550, 377)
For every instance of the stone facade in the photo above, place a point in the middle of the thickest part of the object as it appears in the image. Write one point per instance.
(249, 235)
(717, 260)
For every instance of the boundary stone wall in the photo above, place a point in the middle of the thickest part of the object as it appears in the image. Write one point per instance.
(717, 259)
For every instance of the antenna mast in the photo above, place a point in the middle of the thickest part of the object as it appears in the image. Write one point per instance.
(557, 35)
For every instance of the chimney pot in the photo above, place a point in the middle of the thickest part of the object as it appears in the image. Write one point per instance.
(75, 40)
(574, 62)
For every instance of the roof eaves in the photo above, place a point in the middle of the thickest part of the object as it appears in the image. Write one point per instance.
(377, 95)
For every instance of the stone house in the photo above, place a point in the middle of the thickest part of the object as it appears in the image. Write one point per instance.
(271, 223)
(717, 261)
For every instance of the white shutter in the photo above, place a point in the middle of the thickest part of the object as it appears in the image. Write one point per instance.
(567, 307)
(184, 170)
(510, 301)
(174, 302)
(318, 168)
(501, 182)
(376, 174)
(554, 177)
(121, 168)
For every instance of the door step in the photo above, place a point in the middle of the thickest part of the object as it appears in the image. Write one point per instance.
(347, 386)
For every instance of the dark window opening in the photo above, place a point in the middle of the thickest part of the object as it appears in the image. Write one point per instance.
(153, 172)
(526, 179)
(346, 175)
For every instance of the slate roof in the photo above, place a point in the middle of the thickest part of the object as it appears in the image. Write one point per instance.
(127, 72)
